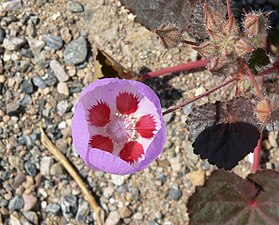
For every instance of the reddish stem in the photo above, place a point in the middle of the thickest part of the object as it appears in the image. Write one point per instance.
(200, 96)
(174, 69)
(257, 156)
(229, 9)
(252, 78)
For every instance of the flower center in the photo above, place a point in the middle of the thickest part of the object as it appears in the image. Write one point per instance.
(121, 128)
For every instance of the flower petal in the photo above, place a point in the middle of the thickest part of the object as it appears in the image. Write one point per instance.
(101, 142)
(146, 126)
(132, 152)
(126, 103)
(99, 114)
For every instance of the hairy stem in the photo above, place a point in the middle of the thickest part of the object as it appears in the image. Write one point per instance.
(229, 9)
(252, 78)
(174, 69)
(200, 96)
(257, 157)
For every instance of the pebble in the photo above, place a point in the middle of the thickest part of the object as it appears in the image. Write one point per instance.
(13, 43)
(75, 7)
(29, 201)
(69, 205)
(22, 66)
(30, 168)
(64, 106)
(196, 177)
(14, 220)
(54, 209)
(272, 138)
(118, 179)
(175, 193)
(36, 46)
(11, 5)
(125, 212)
(138, 216)
(31, 216)
(26, 87)
(2, 35)
(63, 88)
(66, 35)
(83, 211)
(113, 218)
(58, 70)
(16, 203)
(30, 30)
(39, 82)
(56, 170)
(46, 163)
(153, 222)
(54, 42)
(76, 51)
(18, 180)
(175, 164)
(12, 107)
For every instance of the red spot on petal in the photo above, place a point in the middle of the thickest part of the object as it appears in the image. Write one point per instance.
(127, 103)
(99, 115)
(145, 126)
(131, 152)
(101, 142)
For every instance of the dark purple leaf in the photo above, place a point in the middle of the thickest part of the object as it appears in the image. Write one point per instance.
(228, 199)
(224, 132)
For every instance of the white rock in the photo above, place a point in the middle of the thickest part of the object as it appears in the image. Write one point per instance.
(59, 71)
(63, 88)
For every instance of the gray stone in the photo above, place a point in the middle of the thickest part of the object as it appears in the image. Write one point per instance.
(59, 71)
(30, 168)
(69, 205)
(36, 46)
(54, 209)
(27, 100)
(83, 211)
(12, 107)
(64, 106)
(54, 42)
(16, 203)
(30, 30)
(39, 82)
(153, 222)
(76, 51)
(2, 35)
(22, 66)
(45, 165)
(75, 7)
(175, 193)
(13, 43)
(26, 87)
(11, 5)
(31, 217)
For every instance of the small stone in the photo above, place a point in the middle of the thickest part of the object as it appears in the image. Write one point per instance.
(75, 7)
(12, 5)
(118, 179)
(113, 218)
(46, 163)
(14, 220)
(54, 42)
(31, 217)
(30, 168)
(63, 88)
(125, 212)
(59, 71)
(138, 216)
(2, 35)
(175, 164)
(64, 106)
(196, 177)
(36, 46)
(26, 87)
(29, 202)
(108, 191)
(19, 179)
(175, 193)
(272, 138)
(30, 30)
(76, 51)
(39, 82)
(54, 209)
(56, 170)
(83, 211)
(16, 203)
(14, 43)
(12, 107)
(153, 222)
(69, 205)
(22, 66)
(66, 35)
(16, 162)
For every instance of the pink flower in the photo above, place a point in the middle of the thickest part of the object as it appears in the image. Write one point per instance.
(118, 126)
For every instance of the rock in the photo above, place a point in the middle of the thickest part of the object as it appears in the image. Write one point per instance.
(64, 106)
(12, 107)
(113, 218)
(54, 209)
(26, 87)
(272, 138)
(83, 211)
(31, 216)
(118, 179)
(54, 42)
(56, 170)
(14, 220)
(16, 162)
(125, 212)
(12, 5)
(45, 165)
(76, 51)
(22, 66)
(16, 203)
(2, 35)
(13, 43)
(69, 205)
(153, 222)
(75, 7)
(63, 88)
(138, 216)
(175, 164)
(18, 180)
(59, 71)
(108, 191)
(30, 168)
(29, 202)
(36, 46)
(39, 82)
(175, 193)
(66, 35)
(196, 177)
(30, 30)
